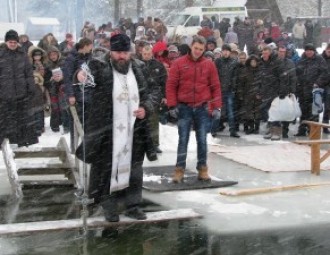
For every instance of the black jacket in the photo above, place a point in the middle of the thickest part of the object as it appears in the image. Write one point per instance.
(290, 75)
(311, 71)
(16, 74)
(72, 63)
(227, 70)
(156, 76)
(17, 89)
(272, 78)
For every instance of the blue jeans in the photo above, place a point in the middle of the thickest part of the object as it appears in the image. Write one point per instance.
(228, 100)
(199, 118)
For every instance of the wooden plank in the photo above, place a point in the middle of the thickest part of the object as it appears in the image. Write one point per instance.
(325, 156)
(318, 141)
(43, 171)
(27, 183)
(254, 191)
(46, 152)
(42, 165)
(314, 123)
(95, 222)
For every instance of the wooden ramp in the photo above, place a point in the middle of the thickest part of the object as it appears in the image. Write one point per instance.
(18, 164)
(95, 222)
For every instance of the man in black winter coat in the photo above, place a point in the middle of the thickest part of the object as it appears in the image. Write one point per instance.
(156, 76)
(291, 79)
(227, 70)
(273, 84)
(17, 88)
(116, 131)
(77, 97)
(312, 73)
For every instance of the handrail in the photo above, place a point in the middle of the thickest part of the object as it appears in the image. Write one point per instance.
(78, 129)
(83, 168)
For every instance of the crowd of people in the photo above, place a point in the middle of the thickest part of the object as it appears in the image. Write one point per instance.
(227, 73)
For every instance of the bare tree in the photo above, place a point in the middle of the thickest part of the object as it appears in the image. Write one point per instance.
(189, 3)
(319, 7)
(139, 8)
(117, 10)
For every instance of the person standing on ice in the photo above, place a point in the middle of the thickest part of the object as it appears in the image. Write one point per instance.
(116, 131)
(17, 89)
(193, 95)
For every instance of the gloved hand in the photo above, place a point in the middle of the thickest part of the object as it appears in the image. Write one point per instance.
(216, 114)
(173, 111)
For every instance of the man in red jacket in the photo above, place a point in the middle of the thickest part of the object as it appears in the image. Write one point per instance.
(193, 95)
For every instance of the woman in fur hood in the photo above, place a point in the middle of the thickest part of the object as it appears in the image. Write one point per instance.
(37, 56)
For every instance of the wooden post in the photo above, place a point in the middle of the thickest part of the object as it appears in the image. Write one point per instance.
(315, 134)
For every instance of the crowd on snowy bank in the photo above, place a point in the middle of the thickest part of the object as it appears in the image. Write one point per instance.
(120, 83)
(54, 64)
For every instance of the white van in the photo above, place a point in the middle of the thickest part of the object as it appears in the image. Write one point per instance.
(188, 21)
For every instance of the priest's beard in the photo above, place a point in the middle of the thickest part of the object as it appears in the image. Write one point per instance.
(121, 66)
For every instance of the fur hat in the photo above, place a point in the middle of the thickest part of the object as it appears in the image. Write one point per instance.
(309, 46)
(120, 42)
(11, 35)
(226, 47)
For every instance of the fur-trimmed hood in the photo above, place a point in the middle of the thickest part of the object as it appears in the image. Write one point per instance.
(32, 50)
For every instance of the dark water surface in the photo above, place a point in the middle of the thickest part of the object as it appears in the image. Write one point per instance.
(169, 238)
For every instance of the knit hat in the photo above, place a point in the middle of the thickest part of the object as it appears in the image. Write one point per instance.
(209, 54)
(11, 35)
(309, 46)
(217, 50)
(172, 48)
(120, 42)
(226, 47)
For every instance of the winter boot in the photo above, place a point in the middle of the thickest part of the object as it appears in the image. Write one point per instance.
(110, 211)
(135, 213)
(285, 129)
(256, 126)
(250, 129)
(302, 131)
(246, 126)
(203, 174)
(269, 134)
(277, 132)
(178, 175)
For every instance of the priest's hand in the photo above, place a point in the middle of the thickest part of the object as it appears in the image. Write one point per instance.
(140, 113)
(82, 76)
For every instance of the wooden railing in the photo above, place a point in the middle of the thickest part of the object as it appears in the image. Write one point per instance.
(76, 139)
